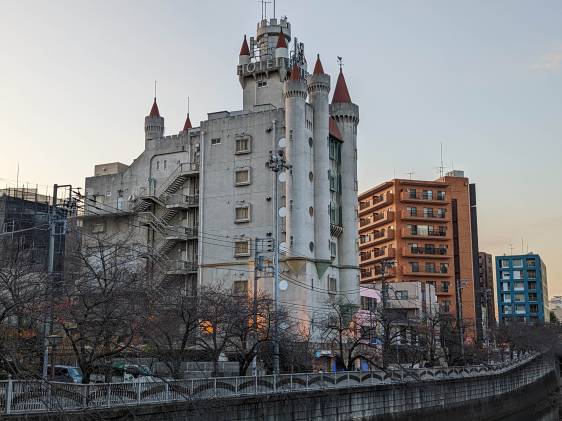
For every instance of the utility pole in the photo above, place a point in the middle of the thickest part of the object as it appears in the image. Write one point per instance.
(50, 270)
(460, 324)
(48, 325)
(276, 163)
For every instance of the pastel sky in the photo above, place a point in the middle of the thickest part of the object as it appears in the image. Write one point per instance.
(484, 78)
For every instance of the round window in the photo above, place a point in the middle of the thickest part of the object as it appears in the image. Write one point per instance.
(311, 211)
(310, 176)
(311, 246)
(310, 142)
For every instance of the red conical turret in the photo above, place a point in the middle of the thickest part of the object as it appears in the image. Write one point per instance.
(334, 130)
(341, 94)
(245, 50)
(295, 72)
(154, 112)
(281, 41)
(318, 69)
(187, 125)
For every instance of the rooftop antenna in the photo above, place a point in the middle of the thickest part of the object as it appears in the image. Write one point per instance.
(187, 105)
(441, 168)
(18, 176)
(273, 9)
(511, 249)
(411, 173)
(155, 82)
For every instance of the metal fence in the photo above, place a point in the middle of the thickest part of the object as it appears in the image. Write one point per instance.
(32, 396)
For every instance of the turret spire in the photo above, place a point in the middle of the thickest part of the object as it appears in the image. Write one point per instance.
(318, 69)
(187, 125)
(295, 72)
(281, 40)
(154, 112)
(341, 93)
(245, 50)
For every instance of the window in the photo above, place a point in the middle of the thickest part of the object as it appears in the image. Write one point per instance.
(505, 286)
(216, 141)
(427, 195)
(519, 297)
(428, 212)
(412, 211)
(445, 306)
(505, 275)
(242, 214)
(412, 193)
(517, 263)
(240, 287)
(532, 285)
(332, 285)
(504, 263)
(430, 267)
(98, 228)
(532, 274)
(368, 303)
(333, 249)
(506, 298)
(414, 266)
(262, 83)
(401, 295)
(241, 248)
(520, 309)
(531, 262)
(441, 212)
(517, 274)
(445, 286)
(532, 296)
(533, 308)
(518, 286)
(444, 268)
(242, 145)
(242, 177)
(507, 309)
(440, 195)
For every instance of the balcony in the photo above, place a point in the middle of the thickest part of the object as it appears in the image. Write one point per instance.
(376, 238)
(181, 201)
(375, 202)
(180, 267)
(434, 253)
(411, 197)
(437, 273)
(430, 234)
(423, 216)
(375, 273)
(377, 255)
(376, 220)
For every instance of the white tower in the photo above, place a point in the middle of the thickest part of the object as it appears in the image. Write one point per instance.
(300, 180)
(346, 114)
(153, 124)
(318, 91)
(263, 65)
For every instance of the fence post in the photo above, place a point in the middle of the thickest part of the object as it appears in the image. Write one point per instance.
(255, 385)
(9, 391)
(236, 386)
(291, 386)
(139, 393)
(215, 386)
(275, 383)
(348, 378)
(306, 381)
(167, 395)
(85, 388)
(109, 395)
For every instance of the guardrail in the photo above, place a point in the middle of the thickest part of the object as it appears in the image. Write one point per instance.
(35, 396)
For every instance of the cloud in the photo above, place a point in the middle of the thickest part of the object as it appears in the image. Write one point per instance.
(549, 62)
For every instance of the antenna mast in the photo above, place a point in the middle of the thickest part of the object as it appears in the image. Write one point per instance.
(441, 168)
(155, 82)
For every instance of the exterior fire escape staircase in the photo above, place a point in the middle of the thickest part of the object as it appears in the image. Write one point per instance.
(171, 235)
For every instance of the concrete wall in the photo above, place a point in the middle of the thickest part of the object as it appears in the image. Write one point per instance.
(485, 398)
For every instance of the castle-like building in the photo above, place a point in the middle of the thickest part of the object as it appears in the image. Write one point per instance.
(198, 199)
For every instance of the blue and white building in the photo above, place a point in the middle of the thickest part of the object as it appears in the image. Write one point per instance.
(522, 288)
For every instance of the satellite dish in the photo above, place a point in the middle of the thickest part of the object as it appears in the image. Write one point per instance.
(283, 212)
(283, 285)
(282, 142)
(282, 177)
(283, 247)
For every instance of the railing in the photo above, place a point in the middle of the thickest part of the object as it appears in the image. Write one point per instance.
(35, 396)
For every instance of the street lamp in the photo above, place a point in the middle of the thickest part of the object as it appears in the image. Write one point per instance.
(54, 341)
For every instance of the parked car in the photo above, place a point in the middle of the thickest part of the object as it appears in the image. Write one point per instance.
(124, 373)
(65, 374)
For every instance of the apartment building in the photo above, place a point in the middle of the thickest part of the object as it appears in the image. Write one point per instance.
(522, 288)
(486, 277)
(425, 231)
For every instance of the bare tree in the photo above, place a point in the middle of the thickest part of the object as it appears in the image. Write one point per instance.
(99, 302)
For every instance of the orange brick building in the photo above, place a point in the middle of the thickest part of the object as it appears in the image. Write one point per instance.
(428, 228)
